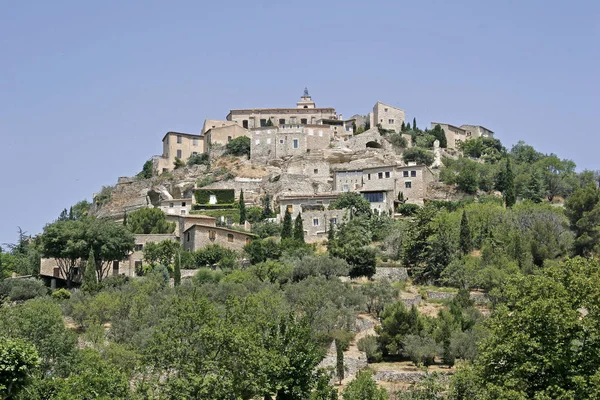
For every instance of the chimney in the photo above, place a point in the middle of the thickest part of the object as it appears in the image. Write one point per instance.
(341, 118)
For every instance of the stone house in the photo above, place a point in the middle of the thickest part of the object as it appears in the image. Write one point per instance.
(198, 236)
(476, 131)
(456, 135)
(177, 145)
(288, 140)
(222, 135)
(215, 123)
(387, 117)
(317, 218)
(305, 113)
(176, 206)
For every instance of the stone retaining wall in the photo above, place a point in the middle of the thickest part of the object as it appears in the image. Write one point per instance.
(477, 297)
(391, 274)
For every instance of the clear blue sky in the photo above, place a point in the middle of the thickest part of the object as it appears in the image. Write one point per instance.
(88, 89)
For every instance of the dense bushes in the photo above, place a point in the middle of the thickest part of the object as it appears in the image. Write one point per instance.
(22, 289)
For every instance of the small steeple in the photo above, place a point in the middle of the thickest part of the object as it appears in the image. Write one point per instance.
(306, 92)
(305, 101)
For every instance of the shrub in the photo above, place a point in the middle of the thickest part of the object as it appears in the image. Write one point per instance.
(421, 350)
(199, 159)
(146, 172)
(239, 146)
(369, 345)
(418, 155)
(104, 196)
(206, 275)
(22, 289)
(343, 338)
(223, 196)
(407, 209)
(61, 294)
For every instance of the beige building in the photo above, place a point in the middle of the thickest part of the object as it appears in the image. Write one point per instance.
(198, 236)
(387, 117)
(288, 140)
(224, 134)
(215, 123)
(305, 113)
(454, 135)
(176, 206)
(177, 145)
(476, 131)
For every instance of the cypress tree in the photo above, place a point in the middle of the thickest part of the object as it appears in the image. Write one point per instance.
(402, 127)
(90, 280)
(286, 229)
(125, 219)
(465, 234)
(299, 229)
(71, 218)
(339, 364)
(331, 234)
(177, 270)
(266, 207)
(414, 123)
(242, 208)
(510, 197)
(63, 215)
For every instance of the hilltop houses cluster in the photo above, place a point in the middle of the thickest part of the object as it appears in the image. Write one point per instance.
(312, 155)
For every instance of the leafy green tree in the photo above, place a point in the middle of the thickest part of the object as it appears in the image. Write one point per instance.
(323, 391)
(146, 172)
(109, 241)
(18, 361)
(440, 135)
(421, 349)
(467, 180)
(286, 229)
(369, 345)
(418, 155)
(242, 205)
(90, 280)
(378, 295)
(262, 250)
(163, 253)
(397, 321)
(178, 163)
(65, 241)
(199, 159)
(397, 140)
(240, 146)
(362, 261)
(465, 234)
(509, 186)
(353, 201)
(212, 255)
(149, 221)
(299, 229)
(364, 388)
(583, 210)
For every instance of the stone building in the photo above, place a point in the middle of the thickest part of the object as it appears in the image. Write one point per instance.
(177, 145)
(387, 116)
(215, 123)
(476, 131)
(176, 206)
(288, 140)
(222, 135)
(198, 236)
(454, 135)
(317, 218)
(305, 113)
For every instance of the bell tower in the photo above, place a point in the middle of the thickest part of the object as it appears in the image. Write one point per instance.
(305, 101)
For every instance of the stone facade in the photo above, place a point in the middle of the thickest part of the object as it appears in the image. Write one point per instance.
(288, 140)
(454, 135)
(392, 274)
(222, 135)
(177, 145)
(475, 131)
(199, 236)
(176, 206)
(215, 123)
(182, 223)
(387, 117)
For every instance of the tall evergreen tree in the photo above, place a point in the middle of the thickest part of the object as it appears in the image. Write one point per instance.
(403, 127)
(125, 219)
(71, 217)
(90, 279)
(510, 197)
(299, 229)
(64, 215)
(177, 270)
(286, 229)
(267, 207)
(242, 208)
(465, 234)
(331, 234)
(414, 123)
(339, 364)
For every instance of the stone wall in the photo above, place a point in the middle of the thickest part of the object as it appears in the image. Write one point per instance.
(393, 274)
(388, 117)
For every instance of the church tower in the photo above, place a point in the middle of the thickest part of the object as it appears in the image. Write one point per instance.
(305, 101)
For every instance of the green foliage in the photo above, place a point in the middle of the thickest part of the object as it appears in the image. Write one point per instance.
(322, 265)
(177, 269)
(488, 148)
(362, 261)
(199, 159)
(440, 135)
(149, 221)
(363, 388)
(254, 214)
(178, 163)
(339, 363)
(397, 140)
(465, 234)
(418, 155)
(162, 253)
(378, 295)
(206, 275)
(353, 201)
(104, 197)
(205, 181)
(223, 196)
(298, 233)
(420, 349)
(286, 229)
(214, 255)
(18, 361)
(242, 208)
(583, 210)
(90, 280)
(262, 250)
(240, 146)
(509, 186)
(408, 209)
(369, 345)
(146, 172)
(397, 322)
(22, 289)
(266, 229)
(61, 294)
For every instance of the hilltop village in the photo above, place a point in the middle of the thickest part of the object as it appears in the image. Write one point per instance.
(300, 159)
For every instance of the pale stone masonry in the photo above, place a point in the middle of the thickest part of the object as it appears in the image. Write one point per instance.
(199, 236)
(222, 135)
(288, 140)
(387, 117)
(177, 145)
(456, 135)
(176, 206)
(476, 131)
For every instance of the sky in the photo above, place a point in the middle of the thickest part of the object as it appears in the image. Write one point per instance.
(88, 89)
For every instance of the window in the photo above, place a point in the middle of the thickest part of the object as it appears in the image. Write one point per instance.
(195, 153)
(281, 121)
(345, 188)
(178, 138)
(315, 221)
(292, 120)
(304, 121)
(183, 212)
(187, 237)
(178, 153)
(408, 185)
(368, 176)
(280, 141)
(138, 268)
(263, 122)
(139, 247)
(374, 197)
(171, 205)
(212, 235)
(387, 174)
(290, 208)
(257, 142)
(183, 204)
(385, 110)
(390, 121)
(413, 173)
(245, 124)
(230, 237)
(295, 143)
(268, 140)
(316, 170)
(321, 133)
(405, 174)
(195, 142)
(380, 175)
(229, 138)
(333, 221)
